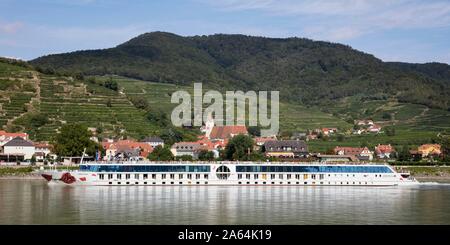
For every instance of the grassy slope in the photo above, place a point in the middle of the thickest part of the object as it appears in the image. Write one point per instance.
(64, 100)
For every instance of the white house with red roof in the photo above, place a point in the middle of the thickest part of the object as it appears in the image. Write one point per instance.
(362, 153)
(125, 149)
(384, 151)
(5, 137)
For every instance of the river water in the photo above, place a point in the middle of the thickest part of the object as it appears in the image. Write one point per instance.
(35, 202)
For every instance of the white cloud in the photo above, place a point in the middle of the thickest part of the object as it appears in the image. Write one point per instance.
(11, 27)
(350, 18)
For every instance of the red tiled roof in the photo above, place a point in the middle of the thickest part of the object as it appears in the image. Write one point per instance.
(129, 144)
(226, 132)
(349, 150)
(13, 135)
(384, 149)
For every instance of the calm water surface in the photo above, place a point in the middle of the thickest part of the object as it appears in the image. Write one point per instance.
(34, 202)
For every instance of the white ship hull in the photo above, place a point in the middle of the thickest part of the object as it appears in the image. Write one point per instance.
(224, 174)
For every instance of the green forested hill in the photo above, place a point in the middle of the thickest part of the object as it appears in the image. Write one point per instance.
(311, 73)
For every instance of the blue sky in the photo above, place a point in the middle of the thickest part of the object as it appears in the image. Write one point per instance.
(403, 30)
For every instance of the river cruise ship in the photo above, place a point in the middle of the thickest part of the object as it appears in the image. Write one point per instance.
(228, 173)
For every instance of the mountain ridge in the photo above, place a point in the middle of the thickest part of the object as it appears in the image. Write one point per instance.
(306, 71)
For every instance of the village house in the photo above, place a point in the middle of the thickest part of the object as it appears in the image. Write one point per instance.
(187, 149)
(153, 141)
(375, 128)
(6, 137)
(227, 132)
(126, 149)
(329, 131)
(286, 148)
(260, 141)
(427, 150)
(384, 151)
(43, 150)
(365, 122)
(18, 149)
(362, 153)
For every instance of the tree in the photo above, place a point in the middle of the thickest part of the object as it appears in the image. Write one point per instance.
(158, 117)
(444, 141)
(72, 140)
(111, 84)
(160, 154)
(139, 102)
(254, 131)
(340, 137)
(390, 131)
(185, 158)
(171, 136)
(205, 155)
(239, 148)
(403, 154)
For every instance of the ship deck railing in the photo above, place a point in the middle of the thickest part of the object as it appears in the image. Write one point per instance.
(101, 162)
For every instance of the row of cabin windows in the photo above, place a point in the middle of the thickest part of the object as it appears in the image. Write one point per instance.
(154, 183)
(304, 183)
(256, 183)
(240, 176)
(282, 176)
(153, 176)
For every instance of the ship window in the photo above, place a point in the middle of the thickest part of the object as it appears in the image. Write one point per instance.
(119, 183)
(288, 176)
(313, 176)
(239, 182)
(247, 176)
(119, 176)
(264, 183)
(272, 176)
(127, 176)
(180, 176)
(239, 176)
(280, 176)
(273, 183)
(321, 176)
(189, 176)
(145, 176)
(153, 176)
(101, 176)
(305, 183)
(163, 176)
(128, 183)
(197, 176)
(136, 176)
(180, 183)
(256, 183)
(223, 172)
(205, 176)
(198, 183)
(110, 183)
(255, 176)
(172, 176)
(136, 183)
(145, 183)
(110, 176)
(206, 182)
(172, 183)
(297, 176)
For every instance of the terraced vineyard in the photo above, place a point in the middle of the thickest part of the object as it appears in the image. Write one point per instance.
(63, 100)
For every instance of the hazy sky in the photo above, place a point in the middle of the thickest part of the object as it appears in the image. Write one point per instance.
(402, 30)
